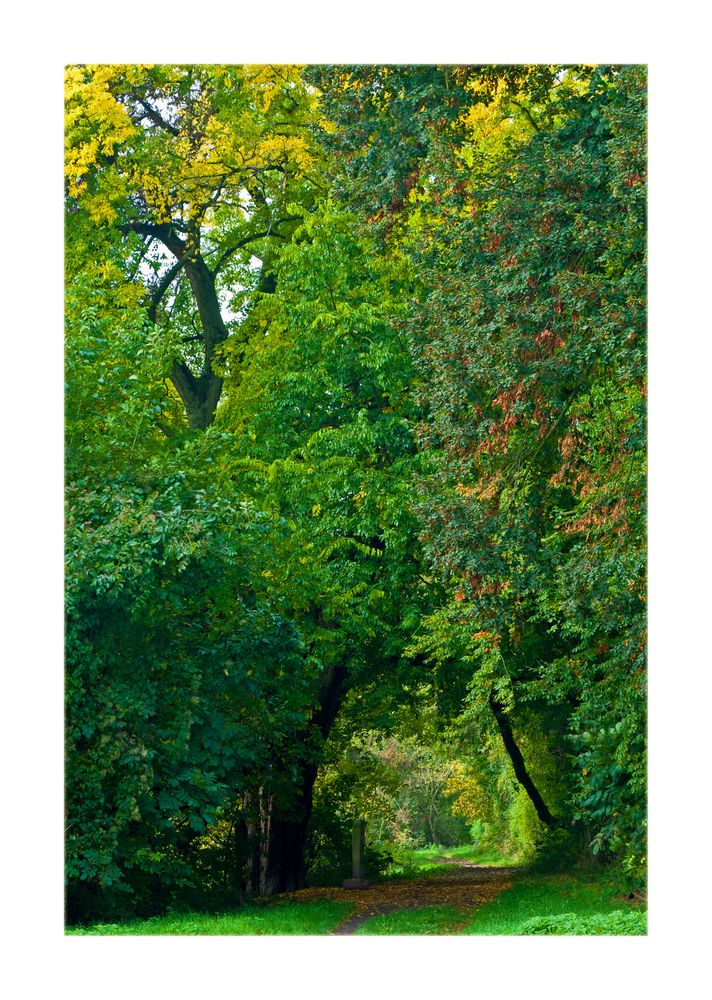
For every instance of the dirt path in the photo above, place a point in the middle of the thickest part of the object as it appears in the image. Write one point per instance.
(462, 884)
(352, 924)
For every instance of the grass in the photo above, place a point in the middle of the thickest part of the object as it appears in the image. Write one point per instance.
(467, 852)
(571, 903)
(309, 917)
(559, 904)
(415, 863)
(426, 920)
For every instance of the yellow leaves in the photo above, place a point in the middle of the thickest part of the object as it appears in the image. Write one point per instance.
(289, 151)
(268, 81)
(100, 210)
(264, 83)
(107, 270)
(483, 491)
(184, 147)
(95, 122)
(469, 800)
(155, 194)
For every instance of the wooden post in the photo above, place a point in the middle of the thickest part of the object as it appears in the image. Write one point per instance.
(358, 845)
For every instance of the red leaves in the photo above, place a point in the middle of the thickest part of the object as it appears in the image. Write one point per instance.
(494, 242)
(548, 340)
(508, 397)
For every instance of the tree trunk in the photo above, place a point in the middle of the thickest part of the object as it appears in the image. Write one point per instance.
(279, 833)
(200, 394)
(520, 770)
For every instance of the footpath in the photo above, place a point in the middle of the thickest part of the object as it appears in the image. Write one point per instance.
(462, 885)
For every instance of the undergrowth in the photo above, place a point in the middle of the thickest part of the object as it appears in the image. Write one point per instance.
(560, 904)
(309, 917)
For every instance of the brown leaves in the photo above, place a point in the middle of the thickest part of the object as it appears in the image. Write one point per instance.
(462, 885)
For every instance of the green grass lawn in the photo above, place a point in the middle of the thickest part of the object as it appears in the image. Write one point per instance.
(312, 917)
(466, 852)
(559, 904)
(426, 920)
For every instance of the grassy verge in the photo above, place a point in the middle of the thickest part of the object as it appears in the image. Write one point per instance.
(426, 920)
(309, 917)
(559, 904)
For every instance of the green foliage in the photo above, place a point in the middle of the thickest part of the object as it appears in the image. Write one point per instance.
(355, 424)
(528, 328)
(175, 654)
(174, 674)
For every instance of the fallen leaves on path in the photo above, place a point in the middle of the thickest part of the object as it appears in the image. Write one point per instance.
(460, 885)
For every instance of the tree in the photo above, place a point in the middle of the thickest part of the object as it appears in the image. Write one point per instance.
(355, 415)
(529, 261)
(182, 175)
(307, 457)
(321, 426)
(177, 182)
(182, 673)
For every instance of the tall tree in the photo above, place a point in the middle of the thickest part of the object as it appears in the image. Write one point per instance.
(321, 421)
(529, 333)
(177, 178)
(183, 174)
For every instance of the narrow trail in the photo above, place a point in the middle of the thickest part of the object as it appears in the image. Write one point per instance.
(462, 884)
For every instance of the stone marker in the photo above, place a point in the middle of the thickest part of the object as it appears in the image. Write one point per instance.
(358, 843)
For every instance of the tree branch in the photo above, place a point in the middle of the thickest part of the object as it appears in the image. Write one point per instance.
(520, 770)
(156, 118)
(226, 254)
(527, 112)
(160, 231)
(160, 290)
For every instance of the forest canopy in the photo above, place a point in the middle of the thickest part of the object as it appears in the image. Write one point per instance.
(355, 471)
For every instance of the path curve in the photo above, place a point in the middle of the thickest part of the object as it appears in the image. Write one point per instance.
(462, 884)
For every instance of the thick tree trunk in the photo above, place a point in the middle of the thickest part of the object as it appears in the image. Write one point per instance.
(279, 834)
(201, 395)
(520, 770)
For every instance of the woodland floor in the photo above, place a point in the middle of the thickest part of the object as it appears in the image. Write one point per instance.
(462, 885)
(429, 895)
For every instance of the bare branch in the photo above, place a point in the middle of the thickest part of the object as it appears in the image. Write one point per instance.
(160, 290)
(226, 254)
(156, 118)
